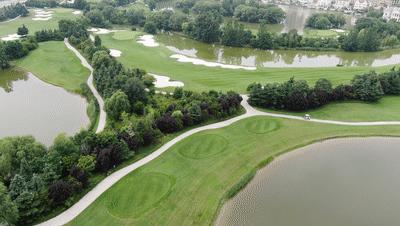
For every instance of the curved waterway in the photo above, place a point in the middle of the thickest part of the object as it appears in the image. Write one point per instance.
(349, 181)
(33, 107)
(275, 58)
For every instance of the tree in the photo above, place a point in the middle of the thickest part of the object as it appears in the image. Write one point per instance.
(23, 31)
(234, 34)
(59, 191)
(64, 153)
(205, 27)
(97, 41)
(168, 124)
(135, 90)
(117, 104)
(323, 90)
(296, 94)
(87, 163)
(367, 87)
(8, 209)
(150, 27)
(264, 38)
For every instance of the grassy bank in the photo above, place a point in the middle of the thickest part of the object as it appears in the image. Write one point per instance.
(185, 185)
(33, 26)
(201, 78)
(386, 109)
(54, 63)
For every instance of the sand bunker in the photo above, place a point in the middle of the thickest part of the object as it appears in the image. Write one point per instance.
(148, 40)
(101, 31)
(11, 37)
(164, 81)
(195, 61)
(77, 12)
(338, 30)
(42, 15)
(115, 53)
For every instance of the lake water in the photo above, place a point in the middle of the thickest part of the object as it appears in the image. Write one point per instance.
(351, 181)
(275, 58)
(33, 107)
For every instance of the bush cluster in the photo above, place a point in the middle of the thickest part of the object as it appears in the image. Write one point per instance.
(296, 95)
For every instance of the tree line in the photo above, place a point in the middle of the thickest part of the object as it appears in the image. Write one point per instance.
(35, 180)
(297, 95)
(326, 20)
(12, 11)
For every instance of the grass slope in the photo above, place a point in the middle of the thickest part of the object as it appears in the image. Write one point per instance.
(7, 28)
(386, 109)
(186, 184)
(54, 63)
(200, 78)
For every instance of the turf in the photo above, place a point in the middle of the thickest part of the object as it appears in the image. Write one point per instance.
(54, 63)
(386, 109)
(196, 186)
(202, 78)
(7, 28)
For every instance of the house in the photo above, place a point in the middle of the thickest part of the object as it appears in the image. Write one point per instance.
(324, 4)
(392, 13)
(360, 5)
(341, 4)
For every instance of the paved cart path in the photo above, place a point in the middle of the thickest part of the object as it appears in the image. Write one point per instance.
(103, 115)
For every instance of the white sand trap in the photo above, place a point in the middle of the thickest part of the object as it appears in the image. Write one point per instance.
(148, 40)
(164, 81)
(42, 15)
(195, 61)
(11, 37)
(42, 19)
(115, 53)
(100, 31)
(338, 30)
(77, 12)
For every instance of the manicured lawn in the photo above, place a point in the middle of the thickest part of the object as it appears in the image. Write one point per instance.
(201, 78)
(58, 14)
(54, 63)
(186, 184)
(387, 109)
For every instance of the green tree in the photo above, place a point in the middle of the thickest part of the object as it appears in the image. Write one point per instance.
(234, 34)
(150, 27)
(367, 87)
(87, 163)
(97, 41)
(23, 31)
(117, 104)
(8, 209)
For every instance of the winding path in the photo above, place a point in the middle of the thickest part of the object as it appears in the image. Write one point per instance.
(103, 115)
(109, 181)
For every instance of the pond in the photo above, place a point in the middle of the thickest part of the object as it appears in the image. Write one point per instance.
(349, 181)
(33, 107)
(275, 58)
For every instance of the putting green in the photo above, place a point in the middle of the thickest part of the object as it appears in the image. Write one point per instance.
(262, 126)
(207, 146)
(157, 186)
(123, 35)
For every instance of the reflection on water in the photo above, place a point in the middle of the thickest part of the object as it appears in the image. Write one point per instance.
(353, 181)
(33, 107)
(275, 58)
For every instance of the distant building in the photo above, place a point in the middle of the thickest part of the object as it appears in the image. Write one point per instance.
(360, 5)
(392, 13)
(341, 5)
(324, 4)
